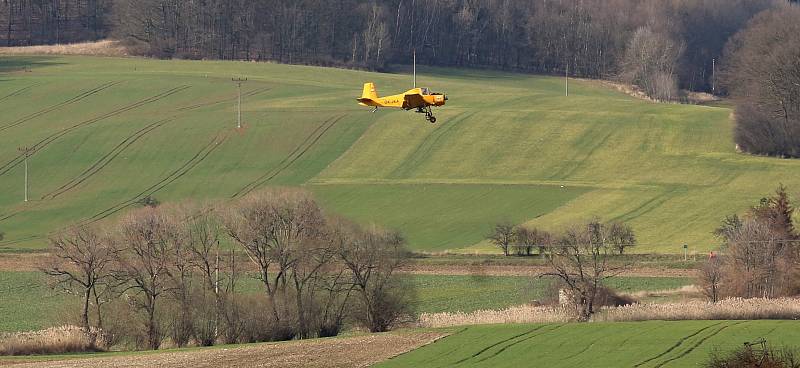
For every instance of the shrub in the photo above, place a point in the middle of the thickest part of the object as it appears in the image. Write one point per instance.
(757, 355)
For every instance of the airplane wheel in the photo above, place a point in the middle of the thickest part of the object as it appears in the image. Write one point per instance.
(432, 119)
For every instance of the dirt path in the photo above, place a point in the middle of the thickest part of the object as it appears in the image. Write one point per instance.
(357, 351)
(20, 262)
(496, 270)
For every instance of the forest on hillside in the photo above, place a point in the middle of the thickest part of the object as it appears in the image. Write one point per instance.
(661, 46)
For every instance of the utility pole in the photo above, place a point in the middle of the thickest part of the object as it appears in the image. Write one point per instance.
(713, 75)
(239, 82)
(566, 81)
(27, 152)
(415, 67)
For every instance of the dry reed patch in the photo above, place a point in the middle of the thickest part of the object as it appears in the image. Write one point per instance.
(729, 309)
(518, 314)
(355, 351)
(56, 340)
(688, 291)
(97, 48)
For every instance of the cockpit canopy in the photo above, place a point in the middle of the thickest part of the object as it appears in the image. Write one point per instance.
(424, 91)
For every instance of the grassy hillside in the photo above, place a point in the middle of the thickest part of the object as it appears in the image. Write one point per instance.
(619, 344)
(507, 147)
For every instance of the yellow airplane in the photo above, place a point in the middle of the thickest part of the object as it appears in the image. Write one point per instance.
(421, 99)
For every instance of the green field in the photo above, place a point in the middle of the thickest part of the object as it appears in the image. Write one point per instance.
(110, 131)
(616, 344)
(27, 303)
(470, 293)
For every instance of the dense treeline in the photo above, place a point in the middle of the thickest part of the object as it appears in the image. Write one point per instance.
(34, 22)
(763, 77)
(589, 38)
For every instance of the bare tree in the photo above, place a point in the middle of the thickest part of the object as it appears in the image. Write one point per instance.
(203, 231)
(650, 62)
(760, 252)
(272, 227)
(619, 236)
(527, 238)
(372, 257)
(144, 261)
(711, 275)
(80, 261)
(503, 236)
(579, 258)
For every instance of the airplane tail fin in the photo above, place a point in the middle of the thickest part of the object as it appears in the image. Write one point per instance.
(369, 91)
(369, 95)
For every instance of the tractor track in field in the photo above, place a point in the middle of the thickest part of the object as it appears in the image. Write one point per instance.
(698, 343)
(176, 174)
(106, 159)
(583, 161)
(425, 147)
(475, 355)
(131, 139)
(5, 168)
(293, 156)
(526, 338)
(677, 344)
(109, 157)
(18, 92)
(67, 102)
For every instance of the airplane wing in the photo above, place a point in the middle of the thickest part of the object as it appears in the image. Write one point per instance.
(412, 101)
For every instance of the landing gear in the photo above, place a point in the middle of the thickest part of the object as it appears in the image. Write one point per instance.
(428, 114)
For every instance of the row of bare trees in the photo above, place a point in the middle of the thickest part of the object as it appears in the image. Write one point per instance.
(522, 240)
(760, 256)
(577, 257)
(161, 272)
